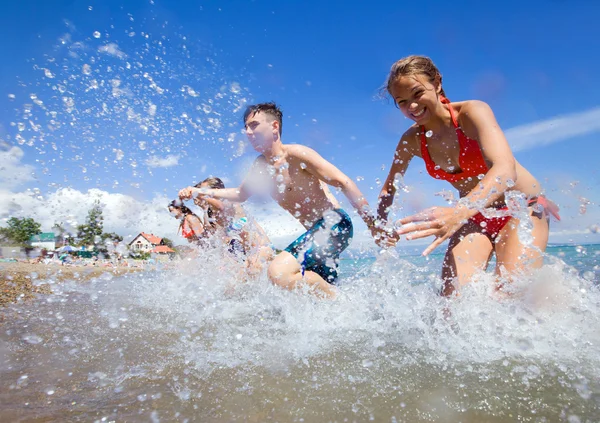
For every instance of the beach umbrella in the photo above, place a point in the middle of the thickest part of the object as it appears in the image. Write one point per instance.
(66, 248)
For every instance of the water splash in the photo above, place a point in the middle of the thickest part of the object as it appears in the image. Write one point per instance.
(102, 93)
(184, 337)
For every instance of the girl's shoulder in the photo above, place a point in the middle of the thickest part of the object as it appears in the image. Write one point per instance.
(468, 109)
(410, 139)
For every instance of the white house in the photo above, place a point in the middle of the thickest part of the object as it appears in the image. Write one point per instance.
(148, 243)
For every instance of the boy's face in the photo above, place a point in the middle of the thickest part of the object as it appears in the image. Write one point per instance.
(261, 131)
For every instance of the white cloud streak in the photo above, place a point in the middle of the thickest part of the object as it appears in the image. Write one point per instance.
(551, 131)
(168, 161)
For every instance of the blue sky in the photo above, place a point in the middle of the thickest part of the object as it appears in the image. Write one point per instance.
(153, 100)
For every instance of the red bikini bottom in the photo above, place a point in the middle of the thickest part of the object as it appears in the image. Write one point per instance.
(492, 226)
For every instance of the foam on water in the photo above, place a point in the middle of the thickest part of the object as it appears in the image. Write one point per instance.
(192, 334)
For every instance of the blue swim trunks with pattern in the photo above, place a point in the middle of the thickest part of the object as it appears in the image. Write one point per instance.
(318, 249)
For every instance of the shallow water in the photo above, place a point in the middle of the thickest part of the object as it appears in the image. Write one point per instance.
(189, 344)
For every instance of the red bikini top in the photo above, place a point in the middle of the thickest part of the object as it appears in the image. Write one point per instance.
(470, 158)
(186, 231)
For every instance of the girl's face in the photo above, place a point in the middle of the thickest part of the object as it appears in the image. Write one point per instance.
(416, 97)
(175, 212)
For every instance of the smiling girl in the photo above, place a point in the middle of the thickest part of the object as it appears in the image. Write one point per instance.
(462, 143)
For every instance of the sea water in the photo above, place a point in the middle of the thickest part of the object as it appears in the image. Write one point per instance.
(194, 343)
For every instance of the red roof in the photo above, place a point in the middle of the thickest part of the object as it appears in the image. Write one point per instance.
(162, 249)
(152, 239)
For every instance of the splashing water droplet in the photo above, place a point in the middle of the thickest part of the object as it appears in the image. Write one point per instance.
(510, 183)
(86, 69)
(48, 73)
(429, 133)
(235, 88)
(360, 178)
(206, 108)
(11, 96)
(538, 208)
(302, 165)
(480, 176)
(96, 34)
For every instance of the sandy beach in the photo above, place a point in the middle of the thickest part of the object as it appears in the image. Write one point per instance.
(20, 281)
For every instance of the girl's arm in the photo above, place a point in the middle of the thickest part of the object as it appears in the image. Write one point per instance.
(404, 153)
(480, 123)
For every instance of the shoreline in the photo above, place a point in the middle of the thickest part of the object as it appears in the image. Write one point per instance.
(23, 281)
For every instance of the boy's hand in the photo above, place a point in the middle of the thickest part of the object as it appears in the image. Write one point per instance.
(186, 193)
(384, 237)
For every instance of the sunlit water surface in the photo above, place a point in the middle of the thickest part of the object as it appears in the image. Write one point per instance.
(189, 343)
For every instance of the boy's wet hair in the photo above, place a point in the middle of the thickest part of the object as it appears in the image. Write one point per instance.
(412, 65)
(178, 204)
(269, 109)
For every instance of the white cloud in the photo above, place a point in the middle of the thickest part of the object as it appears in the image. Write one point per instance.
(279, 225)
(113, 50)
(122, 214)
(12, 172)
(557, 129)
(168, 161)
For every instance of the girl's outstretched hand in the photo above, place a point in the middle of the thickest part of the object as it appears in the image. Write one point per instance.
(441, 222)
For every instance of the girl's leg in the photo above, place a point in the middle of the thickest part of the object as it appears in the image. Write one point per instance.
(469, 252)
(512, 256)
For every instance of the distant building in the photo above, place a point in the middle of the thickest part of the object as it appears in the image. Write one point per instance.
(45, 240)
(148, 243)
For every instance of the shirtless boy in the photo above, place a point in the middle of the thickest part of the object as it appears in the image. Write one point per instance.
(297, 177)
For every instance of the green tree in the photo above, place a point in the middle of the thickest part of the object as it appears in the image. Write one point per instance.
(111, 236)
(91, 232)
(20, 230)
(167, 242)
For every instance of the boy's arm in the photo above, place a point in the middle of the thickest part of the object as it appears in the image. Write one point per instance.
(235, 195)
(230, 194)
(328, 173)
